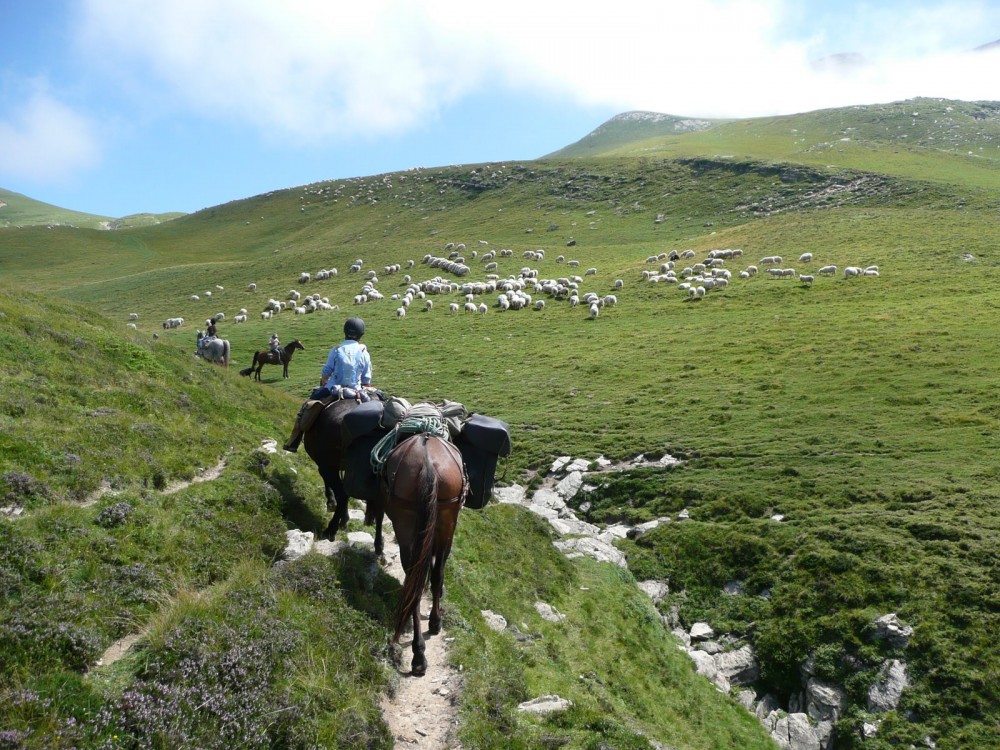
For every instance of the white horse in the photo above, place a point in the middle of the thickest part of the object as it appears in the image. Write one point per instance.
(213, 350)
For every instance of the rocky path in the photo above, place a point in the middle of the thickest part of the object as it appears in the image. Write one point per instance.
(423, 712)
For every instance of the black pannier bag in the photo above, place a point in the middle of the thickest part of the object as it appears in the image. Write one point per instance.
(482, 440)
(360, 481)
(361, 431)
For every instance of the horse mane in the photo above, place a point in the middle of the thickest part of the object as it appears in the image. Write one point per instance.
(413, 588)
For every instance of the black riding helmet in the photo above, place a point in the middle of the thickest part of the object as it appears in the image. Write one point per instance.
(354, 328)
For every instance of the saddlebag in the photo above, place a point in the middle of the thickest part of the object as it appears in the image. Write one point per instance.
(482, 440)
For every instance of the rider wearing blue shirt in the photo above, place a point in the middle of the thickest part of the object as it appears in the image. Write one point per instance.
(349, 366)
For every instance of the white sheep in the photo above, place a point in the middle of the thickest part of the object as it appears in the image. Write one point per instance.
(619, 283)
(470, 307)
(266, 315)
(851, 271)
(805, 278)
(428, 305)
(133, 316)
(590, 272)
(400, 312)
(540, 304)
(195, 297)
(483, 308)
(828, 271)
(595, 310)
(453, 307)
(133, 326)
(805, 258)
(251, 287)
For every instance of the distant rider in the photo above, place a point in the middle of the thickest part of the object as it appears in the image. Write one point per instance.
(274, 345)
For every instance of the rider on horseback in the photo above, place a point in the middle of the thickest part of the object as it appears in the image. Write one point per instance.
(274, 345)
(349, 367)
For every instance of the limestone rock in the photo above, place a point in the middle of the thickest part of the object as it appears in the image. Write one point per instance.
(570, 485)
(885, 694)
(600, 551)
(548, 612)
(548, 499)
(299, 543)
(544, 705)
(494, 621)
(580, 464)
(701, 631)
(559, 464)
(327, 548)
(656, 590)
(515, 494)
(361, 537)
(573, 527)
(891, 629)
(825, 702)
(739, 666)
(794, 732)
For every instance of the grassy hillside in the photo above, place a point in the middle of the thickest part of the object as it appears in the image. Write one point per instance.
(18, 210)
(861, 410)
(103, 540)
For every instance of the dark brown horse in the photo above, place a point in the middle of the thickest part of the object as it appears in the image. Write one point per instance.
(423, 489)
(325, 444)
(281, 357)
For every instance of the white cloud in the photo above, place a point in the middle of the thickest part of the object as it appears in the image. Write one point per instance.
(317, 69)
(46, 141)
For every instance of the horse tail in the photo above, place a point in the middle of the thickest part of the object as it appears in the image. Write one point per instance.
(416, 580)
(225, 352)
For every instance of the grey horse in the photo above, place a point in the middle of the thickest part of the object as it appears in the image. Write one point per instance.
(213, 350)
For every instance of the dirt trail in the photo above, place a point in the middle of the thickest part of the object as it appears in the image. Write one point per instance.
(423, 712)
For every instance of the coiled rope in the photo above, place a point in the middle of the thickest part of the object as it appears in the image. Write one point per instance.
(406, 426)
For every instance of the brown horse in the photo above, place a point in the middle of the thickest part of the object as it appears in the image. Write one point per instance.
(281, 357)
(423, 489)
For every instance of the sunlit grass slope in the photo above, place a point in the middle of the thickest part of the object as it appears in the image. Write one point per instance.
(861, 410)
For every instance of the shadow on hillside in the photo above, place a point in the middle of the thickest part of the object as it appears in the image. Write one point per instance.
(366, 585)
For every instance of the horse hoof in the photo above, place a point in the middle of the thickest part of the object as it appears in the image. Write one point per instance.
(434, 627)
(418, 670)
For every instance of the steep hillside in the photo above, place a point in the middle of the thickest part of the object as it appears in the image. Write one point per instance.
(141, 519)
(628, 128)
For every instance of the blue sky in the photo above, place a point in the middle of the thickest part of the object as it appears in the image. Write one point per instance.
(116, 107)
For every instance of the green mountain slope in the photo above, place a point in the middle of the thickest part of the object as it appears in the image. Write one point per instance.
(859, 410)
(927, 139)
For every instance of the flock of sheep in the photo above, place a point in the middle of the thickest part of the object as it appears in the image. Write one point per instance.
(526, 288)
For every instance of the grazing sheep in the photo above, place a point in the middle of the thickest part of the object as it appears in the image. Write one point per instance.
(805, 258)
(453, 307)
(400, 312)
(851, 271)
(266, 315)
(195, 297)
(251, 287)
(240, 319)
(133, 326)
(619, 284)
(133, 316)
(870, 272)
(828, 271)
(871, 268)
(483, 309)
(805, 278)
(428, 305)
(540, 304)
(609, 300)
(470, 307)
(595, 310)
(590, 272)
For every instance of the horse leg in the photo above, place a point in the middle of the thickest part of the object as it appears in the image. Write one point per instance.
(418, 666)
(437, 590)
(336, 501)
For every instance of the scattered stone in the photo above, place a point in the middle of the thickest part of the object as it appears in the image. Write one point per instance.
(602, 462)
(299, 543)
(711, 647)
(570, 485)
(656, 590)
(777, 517)
(739, 666)
(701, 631)
(733, 588)
(515, 494)
(495, 622)
(361, 537)
(579, 464)
(885, 694)
(548, 499)
(869, 729)
(559, 464)
(684, 515)
(682, 635)
(595, 548)
(269, 446)
(544, 705)
(891, 629)
(548, 612)
(327, 548)
(767, 706)
(573, 527)
(825, 702)
(747, 699)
